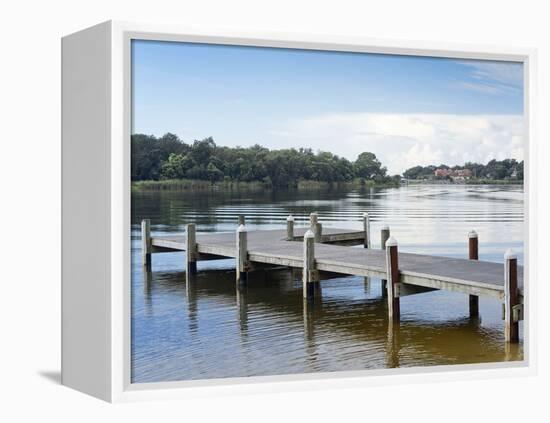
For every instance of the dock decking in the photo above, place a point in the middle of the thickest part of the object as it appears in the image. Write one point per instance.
(323, 251)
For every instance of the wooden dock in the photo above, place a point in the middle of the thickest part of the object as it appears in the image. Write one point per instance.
(324, 252)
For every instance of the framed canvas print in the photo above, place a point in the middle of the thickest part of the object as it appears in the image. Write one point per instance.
(241, 209)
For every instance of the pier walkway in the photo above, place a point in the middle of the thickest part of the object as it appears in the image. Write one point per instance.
(325, 252)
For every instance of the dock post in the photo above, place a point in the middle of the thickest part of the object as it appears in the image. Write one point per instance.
(146, 241)
(473, 250)
(384, 236)
(309, 274)
(313, 218)
(242, 256)
(318, 232)
(315, 226)
(366, 229)
(191, 249)
(392, 269)
(511, 297)
(241, 219)
(366, 244)
(290, 228)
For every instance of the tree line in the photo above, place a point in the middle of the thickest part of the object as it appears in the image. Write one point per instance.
(494, 169)
(169, 158)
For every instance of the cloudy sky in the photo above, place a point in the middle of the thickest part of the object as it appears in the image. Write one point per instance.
(407, 110)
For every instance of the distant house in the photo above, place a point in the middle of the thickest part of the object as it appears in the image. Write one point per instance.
(456, 175)
(442, 172)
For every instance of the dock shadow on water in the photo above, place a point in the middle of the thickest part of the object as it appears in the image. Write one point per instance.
(202, 326)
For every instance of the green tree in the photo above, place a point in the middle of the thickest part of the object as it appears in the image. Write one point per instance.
(368, 166)
(176, 167)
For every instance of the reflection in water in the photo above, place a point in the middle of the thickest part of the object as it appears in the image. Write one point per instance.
(392, 345)
(204, 326)
(242, 306)
(192, 309)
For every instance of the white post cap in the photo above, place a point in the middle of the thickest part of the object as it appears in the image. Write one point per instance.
(391, 242)
(472, 234)
(365, 214)
(385, 228)
(510, 255)
(241, 228)
(290, 218)
(309, 234)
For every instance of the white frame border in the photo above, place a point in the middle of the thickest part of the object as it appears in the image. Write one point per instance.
(121, 389)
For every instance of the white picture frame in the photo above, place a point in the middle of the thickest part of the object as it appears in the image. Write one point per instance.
(96, 125)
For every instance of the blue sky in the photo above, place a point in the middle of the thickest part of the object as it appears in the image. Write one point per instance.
(405, 109)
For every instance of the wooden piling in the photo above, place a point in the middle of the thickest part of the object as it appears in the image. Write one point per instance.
(241, 219)
(511, 297)
(473, 254)
(191, 249)
(366, 228)
(384, 236)
(392, 269)
(242, 256)
(309, 274)
(290, 228)
(146, 245)
(313, 218)
(318, 232)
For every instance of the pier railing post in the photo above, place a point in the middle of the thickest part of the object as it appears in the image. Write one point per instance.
(473, 254)
(384, 236)
(511, 297)
(318, 232)
(315, 226)
(241, 219)
(392, 270)
(191, 249)
(146, 241)
(309, 273)
(313, 218)
(366, 229)
(290, 228)
(242, 255)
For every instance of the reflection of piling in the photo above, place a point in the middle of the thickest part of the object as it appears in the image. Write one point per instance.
(146, 245)
(242, 255)
(310, 276)
(242, 306)
(392, 344)
(290, 228)
(147, 289)
(512, 308)
(392, 270)
(191, 292)
(384, 235)
(191, 245)
(473, 254)
(241, 219)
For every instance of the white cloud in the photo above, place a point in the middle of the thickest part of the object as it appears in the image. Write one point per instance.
(401, 141)
(494, 77)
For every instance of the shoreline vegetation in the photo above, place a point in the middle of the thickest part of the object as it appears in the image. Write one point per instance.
(201, 185)
(169, 164)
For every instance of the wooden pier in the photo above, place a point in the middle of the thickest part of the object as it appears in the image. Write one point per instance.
(323, 253)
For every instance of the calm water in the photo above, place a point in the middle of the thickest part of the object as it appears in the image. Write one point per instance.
(205, 328)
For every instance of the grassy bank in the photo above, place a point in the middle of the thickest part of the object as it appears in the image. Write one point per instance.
(482, 181)
(200, 185)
